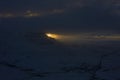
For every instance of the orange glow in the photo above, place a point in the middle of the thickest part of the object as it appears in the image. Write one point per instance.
(51, 35)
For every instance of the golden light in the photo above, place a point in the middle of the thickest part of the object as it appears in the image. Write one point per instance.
(51, 35)
(81, 38)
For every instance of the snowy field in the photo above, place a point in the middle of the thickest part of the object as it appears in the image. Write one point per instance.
(24, 59)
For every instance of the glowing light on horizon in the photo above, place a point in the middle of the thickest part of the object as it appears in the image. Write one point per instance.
(54, 36)
(80, 38)
(65, 38)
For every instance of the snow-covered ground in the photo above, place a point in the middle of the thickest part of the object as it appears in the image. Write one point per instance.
(25, 59)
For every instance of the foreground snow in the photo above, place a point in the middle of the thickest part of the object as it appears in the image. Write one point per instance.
(21, 59)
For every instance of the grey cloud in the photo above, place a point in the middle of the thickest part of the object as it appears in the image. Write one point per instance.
(46, 4)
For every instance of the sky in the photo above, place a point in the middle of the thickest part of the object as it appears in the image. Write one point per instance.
(91, 27)
(65, 15)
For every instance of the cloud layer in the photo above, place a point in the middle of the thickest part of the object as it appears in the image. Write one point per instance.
(66, 14)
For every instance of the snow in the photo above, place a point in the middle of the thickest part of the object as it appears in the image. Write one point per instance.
(55, 61)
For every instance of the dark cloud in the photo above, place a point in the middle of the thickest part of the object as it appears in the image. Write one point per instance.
(75, 15)
(50, 4)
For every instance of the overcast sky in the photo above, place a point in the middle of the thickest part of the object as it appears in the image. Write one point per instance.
(69, 14)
